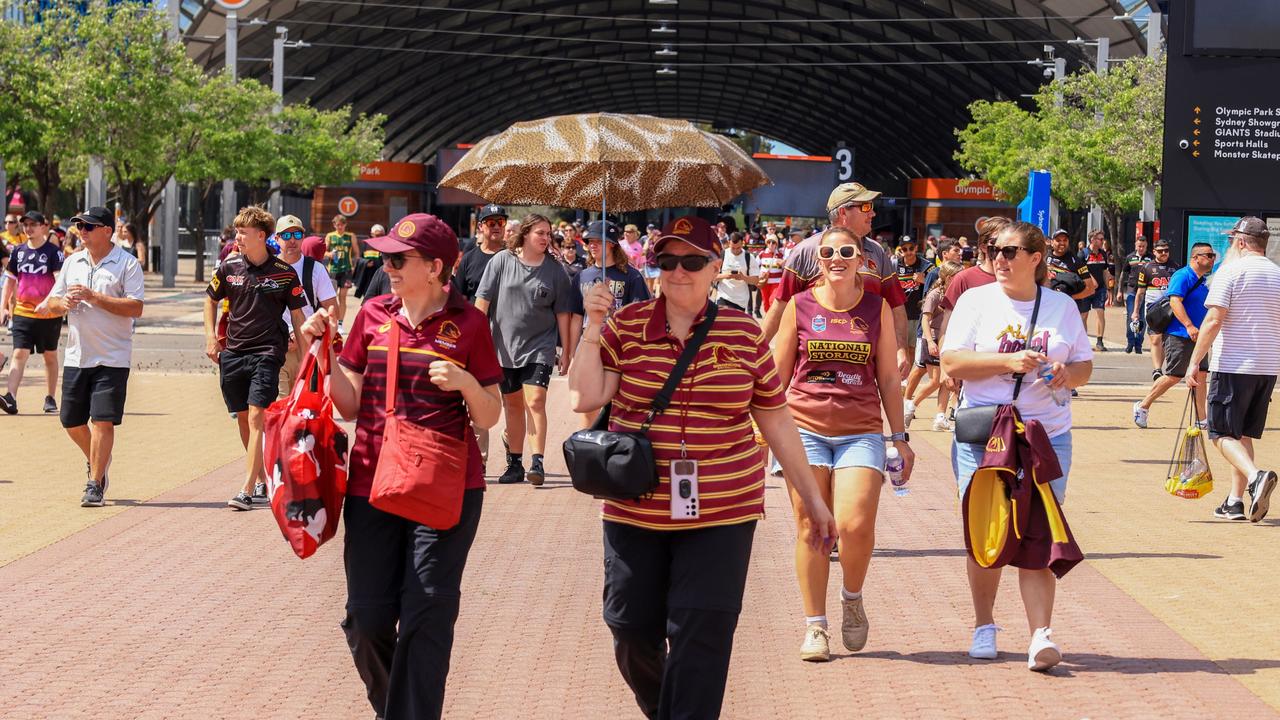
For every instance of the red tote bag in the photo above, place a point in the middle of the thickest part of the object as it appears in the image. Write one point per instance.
(305, 454)
(421, 472)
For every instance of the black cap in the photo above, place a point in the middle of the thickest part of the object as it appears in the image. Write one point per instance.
(35, 216)
(1058, 232)
(598, 230)
(491, 210)
(96, 215)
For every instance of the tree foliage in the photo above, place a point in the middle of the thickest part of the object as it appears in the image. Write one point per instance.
(1099, 135)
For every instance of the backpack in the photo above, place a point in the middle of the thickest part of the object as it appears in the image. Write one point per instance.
(308, 284)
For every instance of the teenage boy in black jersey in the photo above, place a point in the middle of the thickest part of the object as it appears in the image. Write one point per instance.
(259, 287)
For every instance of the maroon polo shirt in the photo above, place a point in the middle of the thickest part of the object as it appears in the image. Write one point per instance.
(458, 333)
(966, 279)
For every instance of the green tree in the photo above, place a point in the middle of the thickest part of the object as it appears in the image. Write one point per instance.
(322, 147)
(29, 141)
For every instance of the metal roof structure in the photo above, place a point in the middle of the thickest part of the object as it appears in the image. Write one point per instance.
(891, 78)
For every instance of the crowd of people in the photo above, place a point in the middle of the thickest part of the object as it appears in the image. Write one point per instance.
(807, 357)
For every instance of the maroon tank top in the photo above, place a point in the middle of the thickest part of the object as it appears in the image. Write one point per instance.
(833, 388)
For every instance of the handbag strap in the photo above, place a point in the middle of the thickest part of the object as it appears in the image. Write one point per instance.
(1031, 331)
(393, 363)
(663, 398)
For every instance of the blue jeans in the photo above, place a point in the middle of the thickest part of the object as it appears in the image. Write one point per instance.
(843, 451)
(1135, 338)
(967, 457)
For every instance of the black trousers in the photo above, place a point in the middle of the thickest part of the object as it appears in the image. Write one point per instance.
(401, 572)
(672, 600)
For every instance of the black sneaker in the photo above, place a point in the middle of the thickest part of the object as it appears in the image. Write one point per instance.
(535, 474)
(1229, 511)
(49, 405)
(240, 502)
(1100, 347)
(1156, 375)
(1260, 494)
(259, 491)
(513, 475)
(8, 404)
(92, 495)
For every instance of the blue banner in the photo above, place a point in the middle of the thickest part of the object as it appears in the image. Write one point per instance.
(1034, 208)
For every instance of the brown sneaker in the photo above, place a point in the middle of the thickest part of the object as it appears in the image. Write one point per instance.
(854, 627)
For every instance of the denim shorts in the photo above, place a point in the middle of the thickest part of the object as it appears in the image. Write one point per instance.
(844, 451)
(966, 457)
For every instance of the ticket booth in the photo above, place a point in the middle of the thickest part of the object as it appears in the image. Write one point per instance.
(385, 192)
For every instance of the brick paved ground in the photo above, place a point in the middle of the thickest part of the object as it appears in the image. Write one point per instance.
(177, 607)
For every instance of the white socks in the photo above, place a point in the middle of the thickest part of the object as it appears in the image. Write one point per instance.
(815, 620)
(1232, 499)
(845, 594)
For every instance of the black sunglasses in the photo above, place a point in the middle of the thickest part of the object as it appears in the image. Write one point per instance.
(1208, 255)
(1163, 250)
(691, 263)
(86, 227)
(398, 259)
(1009, 251)
(828, 252)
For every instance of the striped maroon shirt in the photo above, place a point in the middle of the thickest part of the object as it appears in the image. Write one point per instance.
(732, 373)
(458, 333)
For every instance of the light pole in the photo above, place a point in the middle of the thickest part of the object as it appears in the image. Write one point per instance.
(282, 41)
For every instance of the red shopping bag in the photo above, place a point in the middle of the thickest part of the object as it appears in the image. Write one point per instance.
(305, 454)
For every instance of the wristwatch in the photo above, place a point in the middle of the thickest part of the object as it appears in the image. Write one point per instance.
(899, 437)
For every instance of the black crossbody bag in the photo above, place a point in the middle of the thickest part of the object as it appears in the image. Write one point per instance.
(1160, 314)
(620, 465)
(973, 424)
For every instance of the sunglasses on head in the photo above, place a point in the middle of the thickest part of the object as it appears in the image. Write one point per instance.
(289, 235)
(1008, 251)
(828, 252)
(691, 263)
(398, 259)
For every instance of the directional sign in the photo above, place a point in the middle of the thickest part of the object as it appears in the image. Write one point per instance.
(348, 206)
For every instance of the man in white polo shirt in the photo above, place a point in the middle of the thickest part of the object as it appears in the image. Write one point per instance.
(101, 289)
(1241, 326)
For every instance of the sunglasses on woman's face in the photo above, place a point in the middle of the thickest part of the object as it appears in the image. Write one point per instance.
(828, 252)
(289, 235)
(1009, 251)
(691, 263)
(398, 259)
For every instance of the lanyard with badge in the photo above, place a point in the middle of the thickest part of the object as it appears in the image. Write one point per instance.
(684, 471)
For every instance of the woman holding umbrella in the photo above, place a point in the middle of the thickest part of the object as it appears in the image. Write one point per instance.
(674, 583)
(533, 291)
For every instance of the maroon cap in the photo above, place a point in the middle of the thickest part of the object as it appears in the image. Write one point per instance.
(692, 230)
(314, 247)
(425, 233)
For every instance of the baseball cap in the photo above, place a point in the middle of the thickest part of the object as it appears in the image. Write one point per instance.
(1161, 245)
(377, 230)
(846, 193)
(692, 230)
(595, 229)
(35, 216)
(313, 246)
(288, 221)
(491, 210)
(425, 233)
(650, 226)
(1248, 225)
(1058, 232)
(966, 254)
(96, 215)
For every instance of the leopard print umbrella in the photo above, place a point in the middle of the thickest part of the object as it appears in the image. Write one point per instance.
(564, 161)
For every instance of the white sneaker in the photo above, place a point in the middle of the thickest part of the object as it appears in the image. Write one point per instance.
(984, 642)
(1043, 652)
(817, 644)
(1140, 415)
(908, 412)
(941, 423)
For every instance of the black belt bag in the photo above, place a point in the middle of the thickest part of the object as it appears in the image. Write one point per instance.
(620, 465)
(973, 424)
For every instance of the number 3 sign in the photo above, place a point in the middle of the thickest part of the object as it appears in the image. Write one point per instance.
(843, 158)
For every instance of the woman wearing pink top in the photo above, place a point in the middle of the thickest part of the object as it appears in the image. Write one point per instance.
(837, 346)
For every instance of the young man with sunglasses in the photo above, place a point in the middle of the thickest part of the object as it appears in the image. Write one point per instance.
(1130, 266)
(852, 206)
(12, 234)
(100, 290)
(33, 268)
(261, 288)
(317, 292)
(1153, 280)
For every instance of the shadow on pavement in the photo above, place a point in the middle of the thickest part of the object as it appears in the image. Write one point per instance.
(930, 552)
(1133, 555)
(130, 502)
(1088, 663)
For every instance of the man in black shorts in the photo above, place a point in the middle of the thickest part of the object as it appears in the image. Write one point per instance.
(33, 267)
(259, 287)
(100, 290)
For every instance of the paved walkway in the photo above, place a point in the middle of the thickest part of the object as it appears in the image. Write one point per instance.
(166, 604)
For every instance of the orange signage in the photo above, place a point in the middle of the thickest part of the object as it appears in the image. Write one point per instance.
(955, 189)
(809, 158)
(393, 172)
(348, 206)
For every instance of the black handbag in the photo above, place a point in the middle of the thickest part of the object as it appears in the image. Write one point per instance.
(973, 424)
(1160, 314)
(620, 465)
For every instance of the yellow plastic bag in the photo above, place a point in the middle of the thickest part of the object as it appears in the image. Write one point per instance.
(1189, 475)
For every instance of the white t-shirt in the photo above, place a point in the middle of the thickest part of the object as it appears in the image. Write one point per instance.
(321, 285)
(1248, 288)
(737, 292)
(986, 320)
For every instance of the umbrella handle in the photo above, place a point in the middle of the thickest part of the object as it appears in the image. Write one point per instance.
(604, 223)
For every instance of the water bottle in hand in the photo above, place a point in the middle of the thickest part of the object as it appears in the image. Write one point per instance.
(893, 467)
(1059, 395)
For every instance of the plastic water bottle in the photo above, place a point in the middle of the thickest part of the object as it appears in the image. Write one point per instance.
(893, 467)
(1059, 395)
(1134, 326)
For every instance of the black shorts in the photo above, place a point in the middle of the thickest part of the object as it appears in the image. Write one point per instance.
(536, 374)
(1177, 355)
(923, 358)
(39, 335)
(1085, 305)
(248, 380)
(341, 279)
(1238, 404)
(95, 393)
